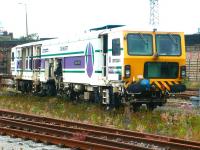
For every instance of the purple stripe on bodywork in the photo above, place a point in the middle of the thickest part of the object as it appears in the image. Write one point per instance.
(26, 63)
(37, 63)
(42, 61)
(19, 64)
(30, 63)
(74, 62)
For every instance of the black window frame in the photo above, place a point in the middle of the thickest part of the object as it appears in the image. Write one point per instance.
(168, 35)
(116, 47)
(146, 69)
(140, 35)
(13, 56)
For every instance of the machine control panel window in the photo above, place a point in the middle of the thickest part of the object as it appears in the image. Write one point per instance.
(161, 70)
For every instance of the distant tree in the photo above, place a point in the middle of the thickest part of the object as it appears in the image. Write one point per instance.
(30, 37)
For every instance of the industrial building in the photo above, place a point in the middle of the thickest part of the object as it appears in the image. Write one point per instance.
(192, 43)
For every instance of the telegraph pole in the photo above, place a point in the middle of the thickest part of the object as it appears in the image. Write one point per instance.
(26, 17)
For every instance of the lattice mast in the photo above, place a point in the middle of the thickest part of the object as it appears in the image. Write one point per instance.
(154, 13)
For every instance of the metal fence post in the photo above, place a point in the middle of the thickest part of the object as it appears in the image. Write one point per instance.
(197, 71)
(189, 71)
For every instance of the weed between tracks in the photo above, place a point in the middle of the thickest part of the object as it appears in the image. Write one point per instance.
(183, 124)
(192, 84)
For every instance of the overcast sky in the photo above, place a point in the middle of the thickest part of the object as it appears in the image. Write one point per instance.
(54, 18)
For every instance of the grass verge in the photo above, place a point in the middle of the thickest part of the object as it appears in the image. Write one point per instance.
(182, 124)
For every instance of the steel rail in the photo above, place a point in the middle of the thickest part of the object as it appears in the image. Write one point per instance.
(192, 89)
(187, 94)
(124, 138)
(56, 140)
(67, 134)
(99, 128)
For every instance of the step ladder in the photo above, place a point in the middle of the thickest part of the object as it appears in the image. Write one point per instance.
(106, 98)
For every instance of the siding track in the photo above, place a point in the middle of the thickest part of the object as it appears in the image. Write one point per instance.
(85, 136)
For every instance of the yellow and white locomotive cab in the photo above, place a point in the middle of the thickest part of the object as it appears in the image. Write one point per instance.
(109, 65)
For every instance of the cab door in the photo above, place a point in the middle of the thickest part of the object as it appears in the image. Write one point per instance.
(49, 69)
(23, 62)
(115, 60)
(105, 55)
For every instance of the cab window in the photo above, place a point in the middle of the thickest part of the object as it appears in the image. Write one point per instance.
(168, 45)
(140, 44)
(116, 47)
(161, 70)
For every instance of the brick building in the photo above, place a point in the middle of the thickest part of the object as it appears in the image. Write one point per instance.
(192, 43)
(5, 50)
(6, 43)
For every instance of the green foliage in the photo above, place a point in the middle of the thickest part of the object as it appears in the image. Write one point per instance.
(191, 84)
(30, 37)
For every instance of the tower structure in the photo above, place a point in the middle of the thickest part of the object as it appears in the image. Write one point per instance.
(154, 13)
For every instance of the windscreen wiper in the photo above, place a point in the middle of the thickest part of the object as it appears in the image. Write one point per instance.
(173, 39)
(142, 37)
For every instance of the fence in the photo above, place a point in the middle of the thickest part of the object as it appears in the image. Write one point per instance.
(193, 69)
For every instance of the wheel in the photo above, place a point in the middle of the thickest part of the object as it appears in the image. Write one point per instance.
(136, 107)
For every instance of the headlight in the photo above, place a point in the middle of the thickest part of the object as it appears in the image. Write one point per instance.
(127, 71)
(183, 71)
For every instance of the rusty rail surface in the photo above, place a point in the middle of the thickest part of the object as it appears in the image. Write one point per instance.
(187, 94)
(69, 135)
(96, 135)
(54, 140)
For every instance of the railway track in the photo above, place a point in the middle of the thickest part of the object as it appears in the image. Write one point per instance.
(84, 136)
(187, 94)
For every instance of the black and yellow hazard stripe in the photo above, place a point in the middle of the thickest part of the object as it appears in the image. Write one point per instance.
(165, 85)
